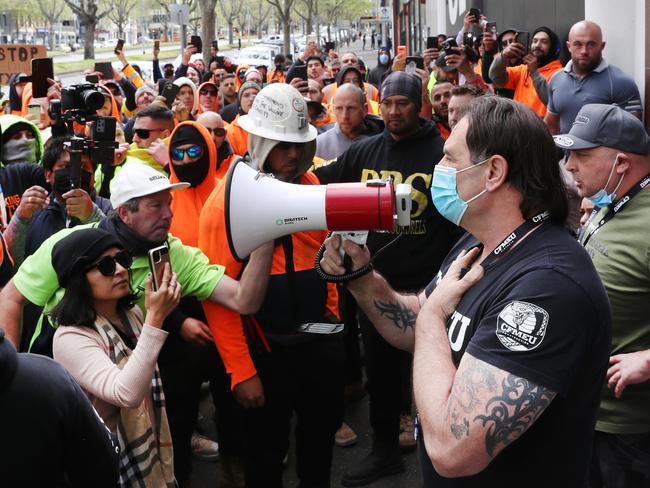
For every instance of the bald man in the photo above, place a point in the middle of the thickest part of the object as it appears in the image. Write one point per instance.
(352, 122)
(587, 78)
(215, 125)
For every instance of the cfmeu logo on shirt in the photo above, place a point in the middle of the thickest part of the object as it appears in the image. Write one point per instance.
(521, 326)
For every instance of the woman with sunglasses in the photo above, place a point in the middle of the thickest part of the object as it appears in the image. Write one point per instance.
(102, 342)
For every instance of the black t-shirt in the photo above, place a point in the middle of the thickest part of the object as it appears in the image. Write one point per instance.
(541, 313)
(15, 179)
(414, 260)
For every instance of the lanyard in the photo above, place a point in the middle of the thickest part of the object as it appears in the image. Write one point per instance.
(591, 227)
(514, 237)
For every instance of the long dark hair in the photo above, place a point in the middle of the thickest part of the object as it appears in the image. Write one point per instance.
(512, 130)
(76, 306)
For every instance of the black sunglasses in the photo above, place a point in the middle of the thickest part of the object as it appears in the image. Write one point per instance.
(145, 133)
(106, 265)
(211, 93)
(217, 131)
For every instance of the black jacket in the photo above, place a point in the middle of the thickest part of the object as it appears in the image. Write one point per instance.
(50, 435)
(412, 262)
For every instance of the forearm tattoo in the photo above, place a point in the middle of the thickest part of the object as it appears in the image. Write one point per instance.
(509, 414)
(403, 317)
(512, 408)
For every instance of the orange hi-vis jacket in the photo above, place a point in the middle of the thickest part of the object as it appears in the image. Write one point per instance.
(188, 202)
(237, 137)
(371, 92)
(521, 82)
(227, 326)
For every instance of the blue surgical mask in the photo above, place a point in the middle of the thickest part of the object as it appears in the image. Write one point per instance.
(601, 198)
(383, 58)
(445, 193)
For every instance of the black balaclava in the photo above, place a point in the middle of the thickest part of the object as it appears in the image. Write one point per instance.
(193, 173)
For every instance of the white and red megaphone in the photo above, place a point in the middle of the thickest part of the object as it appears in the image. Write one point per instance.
(259, 208)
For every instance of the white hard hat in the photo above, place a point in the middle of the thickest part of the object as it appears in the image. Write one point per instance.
(279, 112)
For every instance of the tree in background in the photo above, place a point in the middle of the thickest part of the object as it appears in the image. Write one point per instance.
(119, 14)
(52, 11)
(283, 9)
(88, 14)
(230, 10)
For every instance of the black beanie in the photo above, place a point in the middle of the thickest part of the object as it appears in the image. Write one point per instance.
(405, 84)
(78, 250)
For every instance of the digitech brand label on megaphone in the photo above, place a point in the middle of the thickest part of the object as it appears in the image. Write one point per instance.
(260, 208)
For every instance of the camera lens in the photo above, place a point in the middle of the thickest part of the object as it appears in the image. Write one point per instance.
(92, 99)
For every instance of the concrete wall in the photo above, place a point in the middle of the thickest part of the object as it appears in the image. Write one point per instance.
(624, 31)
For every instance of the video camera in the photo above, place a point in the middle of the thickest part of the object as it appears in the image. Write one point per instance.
(79, 103)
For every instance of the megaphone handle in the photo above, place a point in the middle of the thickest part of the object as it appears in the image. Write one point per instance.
(359, 237)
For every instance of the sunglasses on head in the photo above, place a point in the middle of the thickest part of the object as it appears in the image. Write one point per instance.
(211, 93)
(217, 131)
(192, 151)
(145, 133)
(107, 264)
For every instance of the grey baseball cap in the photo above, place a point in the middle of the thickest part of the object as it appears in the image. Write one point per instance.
(605, 125)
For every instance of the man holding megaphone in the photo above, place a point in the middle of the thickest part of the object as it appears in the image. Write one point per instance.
(291, 356)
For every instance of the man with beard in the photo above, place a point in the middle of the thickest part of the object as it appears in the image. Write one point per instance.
(588, 78)
(440, 96)
(530, 79)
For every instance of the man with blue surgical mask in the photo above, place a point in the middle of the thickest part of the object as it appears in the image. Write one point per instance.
(510, 339)
(609, 161)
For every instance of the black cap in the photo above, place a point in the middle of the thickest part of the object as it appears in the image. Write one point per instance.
(600, 124)
(78, 250)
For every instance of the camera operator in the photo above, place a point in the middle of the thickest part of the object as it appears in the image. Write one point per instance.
(529, 80)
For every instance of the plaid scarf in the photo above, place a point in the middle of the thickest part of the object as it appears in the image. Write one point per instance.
(146, 458)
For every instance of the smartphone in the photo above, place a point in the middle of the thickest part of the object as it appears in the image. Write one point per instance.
(329, 46)
(220, 60)
(401, 50)
(169, 91)
(106, 69)
(415, 62)
(94, 79)
(156, 44)
(476, 13)
(491, 27)
(300, 72)
(42, 69)
(215, 45)
(197, 43)
(468, 39)
(432, 42)
(158, 256)
(449, 46)
(119, 46)
(523, 37)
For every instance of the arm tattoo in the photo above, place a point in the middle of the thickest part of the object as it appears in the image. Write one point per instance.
(513, 411)
(402, 317)
(464, 397)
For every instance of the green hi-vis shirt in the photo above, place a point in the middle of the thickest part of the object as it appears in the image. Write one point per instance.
(620, 250)
(36, 279)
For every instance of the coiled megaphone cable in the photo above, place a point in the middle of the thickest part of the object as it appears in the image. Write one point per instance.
(352, 275)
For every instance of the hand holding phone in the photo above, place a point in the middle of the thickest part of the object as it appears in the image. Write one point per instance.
(119, 47)
(158, 257)
(413, 63)
(432, 42)
(450, 46)
(401, 50)
(42, 69)
(106, 70)
(169, 92)
(197, 43)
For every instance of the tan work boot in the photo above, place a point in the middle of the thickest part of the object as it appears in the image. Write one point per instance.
(407, 440)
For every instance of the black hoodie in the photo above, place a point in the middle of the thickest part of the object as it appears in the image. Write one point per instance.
(50, 435)
(412, 262)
